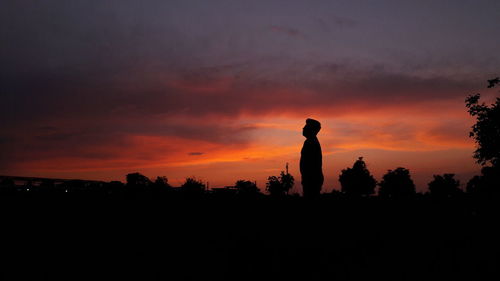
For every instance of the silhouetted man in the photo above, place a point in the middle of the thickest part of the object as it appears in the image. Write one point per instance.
(311, 161)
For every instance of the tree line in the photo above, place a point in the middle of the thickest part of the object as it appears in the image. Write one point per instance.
(355, 181)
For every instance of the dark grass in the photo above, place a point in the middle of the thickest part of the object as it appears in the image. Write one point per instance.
(144, 237)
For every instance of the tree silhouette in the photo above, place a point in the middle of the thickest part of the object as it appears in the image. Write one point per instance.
(279, 186)
(245, 187)
(493, 82)
(445, 186)
(162, 183)
(486, 131)
(193, 187)
(137, 180)
(486, 184)
(357, 181)
(160, 186)
(396, 184)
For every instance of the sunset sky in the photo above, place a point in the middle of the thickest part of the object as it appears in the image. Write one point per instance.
(220, 90)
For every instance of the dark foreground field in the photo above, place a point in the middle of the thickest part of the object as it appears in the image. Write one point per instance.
(49, 238)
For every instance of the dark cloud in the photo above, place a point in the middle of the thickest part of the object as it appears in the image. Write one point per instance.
(336, 87)
(343, 21)
(333, 22)
(40, 98)
(195, 153)
(290, 31)
(47, 128)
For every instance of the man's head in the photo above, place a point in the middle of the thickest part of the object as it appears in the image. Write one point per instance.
(311, 128)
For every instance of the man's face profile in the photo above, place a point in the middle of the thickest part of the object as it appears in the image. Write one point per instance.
(306, 131)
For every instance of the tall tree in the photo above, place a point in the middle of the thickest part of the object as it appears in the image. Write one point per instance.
(357, 181)
(486, 130)
(487, 183)
(397, 184)
(445, 186)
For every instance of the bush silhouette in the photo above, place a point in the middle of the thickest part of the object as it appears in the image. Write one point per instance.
(46, 186)
(115, 187)
(161, 183)
(7, 185)
(445, 186)
(245, 188)
(7, 182)
(397, 184)
(160, 186)
(357, 181)
(193, 187)
(279, 186)
(137, 180)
